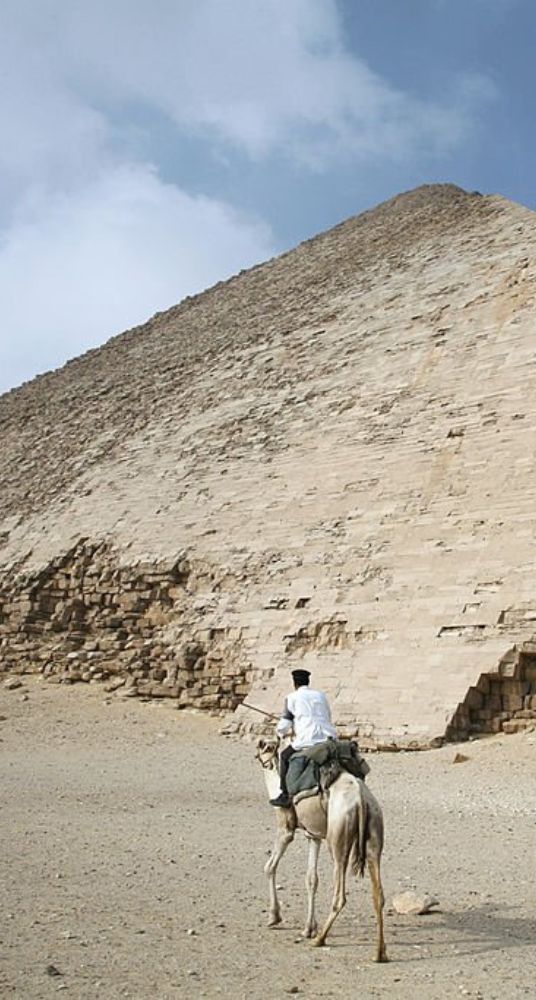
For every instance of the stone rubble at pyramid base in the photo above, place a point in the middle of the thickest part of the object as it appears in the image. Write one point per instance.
(140, 631)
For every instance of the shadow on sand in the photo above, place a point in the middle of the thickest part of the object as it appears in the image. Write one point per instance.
(490, 926)
(473, 931)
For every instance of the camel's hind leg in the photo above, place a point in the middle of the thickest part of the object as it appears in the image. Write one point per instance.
(339, 841)
(378, 897)
(338, 902)
(311, 881)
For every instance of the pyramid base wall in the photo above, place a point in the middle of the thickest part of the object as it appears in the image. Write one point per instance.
(186, 631)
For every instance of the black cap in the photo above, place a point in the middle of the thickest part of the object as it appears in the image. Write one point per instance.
(300, 677)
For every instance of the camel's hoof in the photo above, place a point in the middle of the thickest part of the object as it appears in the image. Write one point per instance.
(317, 942)
(274, 922)
(382, 958)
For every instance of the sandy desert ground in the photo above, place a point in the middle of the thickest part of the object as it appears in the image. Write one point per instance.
(133, 842)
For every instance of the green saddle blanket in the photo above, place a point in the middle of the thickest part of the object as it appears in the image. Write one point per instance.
(315, 768)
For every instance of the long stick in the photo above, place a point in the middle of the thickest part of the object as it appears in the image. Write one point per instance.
(268, 715)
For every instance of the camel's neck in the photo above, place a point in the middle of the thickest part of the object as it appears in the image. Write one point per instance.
(271, 778)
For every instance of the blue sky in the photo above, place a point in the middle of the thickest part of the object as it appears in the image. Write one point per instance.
(152, 147)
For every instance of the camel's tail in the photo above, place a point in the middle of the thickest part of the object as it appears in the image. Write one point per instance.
(358, 854)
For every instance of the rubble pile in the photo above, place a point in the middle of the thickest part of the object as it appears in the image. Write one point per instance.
(503, 701)
(84, 618)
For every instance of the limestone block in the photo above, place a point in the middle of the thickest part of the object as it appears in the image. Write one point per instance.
(12, 683)
(512, 702)
(155, 690)
(511, 726)
(208, 701)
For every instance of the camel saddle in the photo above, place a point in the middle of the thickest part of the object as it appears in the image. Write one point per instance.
(313, 769)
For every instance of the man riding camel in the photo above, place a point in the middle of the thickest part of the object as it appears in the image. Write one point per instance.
(308, 714)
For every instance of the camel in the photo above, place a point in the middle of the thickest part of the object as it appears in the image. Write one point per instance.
(350, 820)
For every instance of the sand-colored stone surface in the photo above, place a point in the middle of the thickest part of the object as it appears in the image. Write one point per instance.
(340, 444)
(133, 840)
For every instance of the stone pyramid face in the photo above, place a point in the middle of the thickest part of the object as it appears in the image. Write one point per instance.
(328, 461)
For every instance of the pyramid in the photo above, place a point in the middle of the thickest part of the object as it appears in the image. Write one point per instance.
(327, 461)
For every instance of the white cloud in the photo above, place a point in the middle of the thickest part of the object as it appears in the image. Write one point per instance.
(91, 239)
(265, 76)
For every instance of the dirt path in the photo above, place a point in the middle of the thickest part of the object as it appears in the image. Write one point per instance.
(133, 840)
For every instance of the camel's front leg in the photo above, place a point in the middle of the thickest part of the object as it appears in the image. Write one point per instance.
(285, 836)
(311, 881)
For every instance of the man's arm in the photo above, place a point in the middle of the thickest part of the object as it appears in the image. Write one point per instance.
(286, 721)
(327, 707)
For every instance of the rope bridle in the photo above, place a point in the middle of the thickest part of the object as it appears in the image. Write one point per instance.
(271, 763)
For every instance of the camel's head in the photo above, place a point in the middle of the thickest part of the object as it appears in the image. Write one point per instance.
(266, 752)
